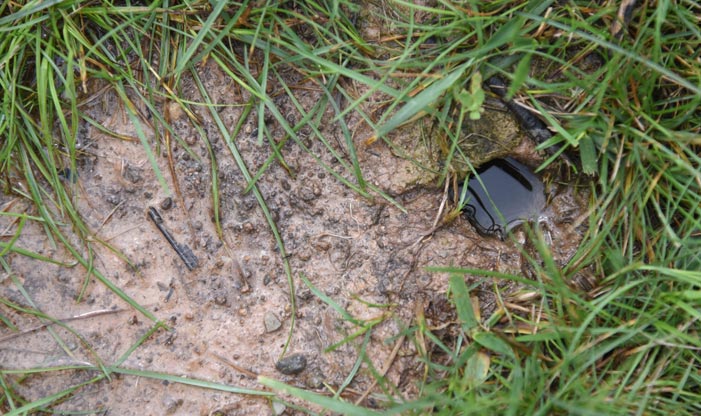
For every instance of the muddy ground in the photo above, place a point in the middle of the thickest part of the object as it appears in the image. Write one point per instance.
(359, 252)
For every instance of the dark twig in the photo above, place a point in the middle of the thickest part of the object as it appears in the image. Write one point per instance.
(534, 126)
(183, 250)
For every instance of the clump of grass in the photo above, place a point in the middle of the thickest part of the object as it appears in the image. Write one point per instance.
(55, 58)
(631, 348)
(48, 57)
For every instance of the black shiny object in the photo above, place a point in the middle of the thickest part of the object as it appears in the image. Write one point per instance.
(510, 194)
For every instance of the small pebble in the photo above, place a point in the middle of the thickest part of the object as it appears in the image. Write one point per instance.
(314, 381)
(167, 204)
(271, 322)
(316, 189)
(113, 198)
(292, 364)
(132, 174)
(278, 408)
(175, 110)
(172, 404)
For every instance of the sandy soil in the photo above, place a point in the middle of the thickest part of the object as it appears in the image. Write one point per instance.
(359, 252)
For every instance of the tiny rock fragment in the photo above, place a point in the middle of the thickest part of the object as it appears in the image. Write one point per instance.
(315, 380)
(131, 173)
(172, 404)
(220, 300)
(292, 364)
(278, 408)
(271, 322)
(175, 111)
(248, 228)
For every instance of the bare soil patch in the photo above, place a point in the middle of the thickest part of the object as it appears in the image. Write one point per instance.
(369, 256)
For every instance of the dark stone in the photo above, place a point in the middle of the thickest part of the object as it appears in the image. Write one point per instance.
(167, 204)
(292, 364)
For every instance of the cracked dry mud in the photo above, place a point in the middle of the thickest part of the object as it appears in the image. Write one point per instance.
(356, 251)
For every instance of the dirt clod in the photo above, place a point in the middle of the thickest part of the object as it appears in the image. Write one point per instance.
(167, 203)
(292, 364)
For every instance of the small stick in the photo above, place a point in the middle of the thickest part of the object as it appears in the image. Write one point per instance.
(385, 369)
(187, 256)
